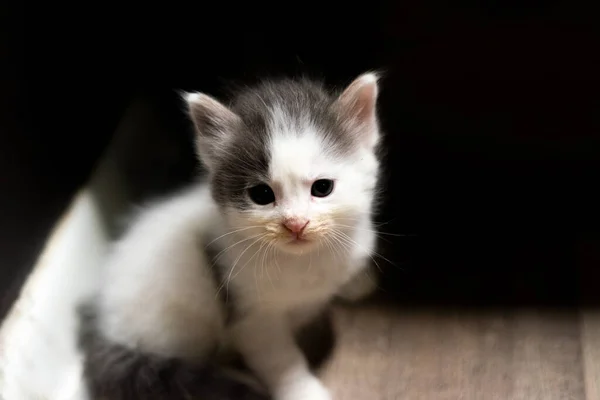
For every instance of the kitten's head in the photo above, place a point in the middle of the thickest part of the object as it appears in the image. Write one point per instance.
(289, 163)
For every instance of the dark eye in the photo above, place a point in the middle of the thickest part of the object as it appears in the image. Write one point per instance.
(261, 194)
(322, 188)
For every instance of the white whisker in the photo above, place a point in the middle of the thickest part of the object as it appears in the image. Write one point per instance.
(348, 244)
(333, 249)
(235, 263)
(250, 259)
(232, 232)
(275, 261)
(222, 252)
(370, 253)
(265, 263)
(376, 232)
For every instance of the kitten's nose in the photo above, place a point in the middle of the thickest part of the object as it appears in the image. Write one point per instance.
(295, 225)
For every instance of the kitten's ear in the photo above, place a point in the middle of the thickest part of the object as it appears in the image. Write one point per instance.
(357, 106)
(214, 125)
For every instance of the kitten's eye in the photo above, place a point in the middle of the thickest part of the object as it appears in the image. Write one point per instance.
(322, 188)
(261, 194)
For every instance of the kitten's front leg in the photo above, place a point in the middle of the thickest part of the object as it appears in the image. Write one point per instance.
(267, 344)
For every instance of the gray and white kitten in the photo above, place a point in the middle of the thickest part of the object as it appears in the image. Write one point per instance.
(283, 225)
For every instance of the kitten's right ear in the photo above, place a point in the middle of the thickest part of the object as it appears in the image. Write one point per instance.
(214, 125)
(357, 106)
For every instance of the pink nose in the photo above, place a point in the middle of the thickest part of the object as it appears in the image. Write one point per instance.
(295, 225)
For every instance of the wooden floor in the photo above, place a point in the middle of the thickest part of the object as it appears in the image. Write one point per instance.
(529, 354)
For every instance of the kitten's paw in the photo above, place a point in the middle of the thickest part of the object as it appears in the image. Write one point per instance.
(305, 389)
(360, 287)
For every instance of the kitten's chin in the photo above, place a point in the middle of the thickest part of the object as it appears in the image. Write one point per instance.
(298, 246)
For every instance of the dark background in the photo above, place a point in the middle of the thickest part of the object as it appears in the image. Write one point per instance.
(491, 111)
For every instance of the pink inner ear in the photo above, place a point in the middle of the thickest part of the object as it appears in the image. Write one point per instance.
(365, 102)
(208, 113)
(357, 106)
(359, 99)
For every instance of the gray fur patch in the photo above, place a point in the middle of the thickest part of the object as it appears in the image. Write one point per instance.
(114, 372)
(245, 162)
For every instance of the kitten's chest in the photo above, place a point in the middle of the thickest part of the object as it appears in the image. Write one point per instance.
(286, 281)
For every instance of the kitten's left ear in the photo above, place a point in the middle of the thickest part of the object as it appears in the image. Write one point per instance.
(357, 106)
(214, 124)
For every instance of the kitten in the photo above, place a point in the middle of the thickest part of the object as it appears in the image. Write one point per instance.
(242, 262)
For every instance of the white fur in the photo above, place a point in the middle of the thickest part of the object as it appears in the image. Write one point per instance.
(158, 295)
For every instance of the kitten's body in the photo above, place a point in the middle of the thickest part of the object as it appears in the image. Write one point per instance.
(209, 269)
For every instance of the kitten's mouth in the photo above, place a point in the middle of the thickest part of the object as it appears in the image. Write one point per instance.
(296, 241)
(297, 245)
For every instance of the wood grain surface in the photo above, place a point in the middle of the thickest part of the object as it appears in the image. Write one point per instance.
(528, 354)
